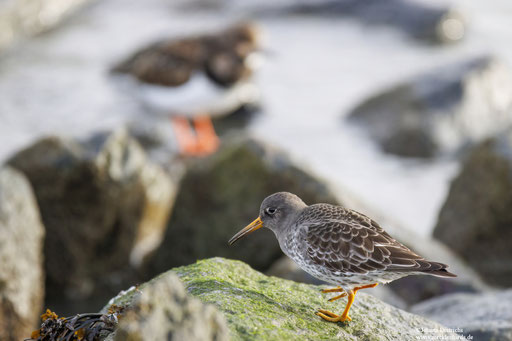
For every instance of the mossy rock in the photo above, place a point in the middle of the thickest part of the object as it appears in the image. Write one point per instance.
(258, 307)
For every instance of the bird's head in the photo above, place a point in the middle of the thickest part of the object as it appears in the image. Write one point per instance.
(277, 211)
(246, 33)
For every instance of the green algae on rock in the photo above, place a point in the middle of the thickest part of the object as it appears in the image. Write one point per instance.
(258, 307)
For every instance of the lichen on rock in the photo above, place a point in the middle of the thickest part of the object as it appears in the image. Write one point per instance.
(258, 307)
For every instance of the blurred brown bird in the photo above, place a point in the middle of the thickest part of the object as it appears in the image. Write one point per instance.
(207, 74)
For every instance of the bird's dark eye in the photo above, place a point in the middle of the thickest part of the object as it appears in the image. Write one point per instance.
(270, 210)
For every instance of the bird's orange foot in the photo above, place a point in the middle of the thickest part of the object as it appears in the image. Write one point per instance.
(325, 291)
(338, 289)
(185, 135)
(332, 317)
(200, 141)
(337, 297)
(207, 139)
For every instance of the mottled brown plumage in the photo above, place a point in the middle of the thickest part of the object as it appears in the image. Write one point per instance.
(339, 246)
(347, 241)
(172, 62)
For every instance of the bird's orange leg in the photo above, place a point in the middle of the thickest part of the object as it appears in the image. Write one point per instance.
(184, 135)
(332, 317)
(207, 140)
(338, 289)
(365, 287)
(337, 297)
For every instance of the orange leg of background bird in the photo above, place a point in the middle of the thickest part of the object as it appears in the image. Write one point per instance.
(332, 317)
(207, 140)
(184, 134)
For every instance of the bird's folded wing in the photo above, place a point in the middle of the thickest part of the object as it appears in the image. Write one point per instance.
(358, 247)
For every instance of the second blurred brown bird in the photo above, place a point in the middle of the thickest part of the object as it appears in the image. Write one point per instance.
(196, 77)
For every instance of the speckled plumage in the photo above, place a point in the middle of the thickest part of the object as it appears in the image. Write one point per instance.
(172, 62)
(346, 248)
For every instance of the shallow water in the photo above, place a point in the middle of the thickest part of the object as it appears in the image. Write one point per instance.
(316, 70)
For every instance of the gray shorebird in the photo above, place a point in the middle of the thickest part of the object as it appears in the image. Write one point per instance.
(339, 246)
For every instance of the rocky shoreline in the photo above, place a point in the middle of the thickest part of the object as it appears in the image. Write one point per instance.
(190, 234)
(109, 231)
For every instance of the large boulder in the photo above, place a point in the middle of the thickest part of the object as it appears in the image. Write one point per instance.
(162, 310)
(104, 206)
(435, 24)
(485, 317)
(21, 257)
(475, 220)
(258, 307)
(220, 195)
(441, 111)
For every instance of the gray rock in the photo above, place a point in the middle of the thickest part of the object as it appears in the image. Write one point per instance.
(162, 310)
(484, 316)
(222, 194)
(20, 18)
(21, 258)
(475, 220)
(258, 307)
(442, 111)
(434, 24)
(104, 206)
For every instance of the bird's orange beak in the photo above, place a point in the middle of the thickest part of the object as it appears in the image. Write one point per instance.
(256, 224)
